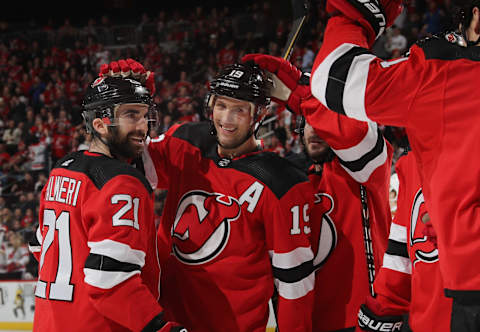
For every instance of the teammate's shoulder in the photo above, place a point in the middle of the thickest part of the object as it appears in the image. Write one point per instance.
(100, 169)
(448, 46)
(277, 173)
(196, 133)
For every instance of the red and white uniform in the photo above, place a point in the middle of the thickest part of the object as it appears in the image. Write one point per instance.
(98, 266)
(363, 157)
(431, 95)
(410, 280)
(234, 229)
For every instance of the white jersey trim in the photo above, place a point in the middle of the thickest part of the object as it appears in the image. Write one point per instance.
(148, 165)
(363, 175)
(398, 233)
(320, 75)
(355, 87)
(291, 259)
(366, 145)
(118, 251)
(106, 279)
(397, 263)
(295, 290)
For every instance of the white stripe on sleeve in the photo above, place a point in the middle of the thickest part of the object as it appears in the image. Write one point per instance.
(398, 233)
(397, 263)
(118, 251)
(106, 279)
(366, 145)
(295, 290)
(293, 258)
(321, 74)
(355, 87)
(363, 175)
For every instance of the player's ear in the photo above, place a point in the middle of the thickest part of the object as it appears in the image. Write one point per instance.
(100, 126)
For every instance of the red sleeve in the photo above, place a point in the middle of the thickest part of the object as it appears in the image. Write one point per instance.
(292, 258)
(121, 236)
(348, 79)
(360, 146)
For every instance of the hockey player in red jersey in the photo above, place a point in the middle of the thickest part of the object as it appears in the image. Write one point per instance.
(96, 240)
(431, 93)
(409, 281)
(350, 173)
(236, 219)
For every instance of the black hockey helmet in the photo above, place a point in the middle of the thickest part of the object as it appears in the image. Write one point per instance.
(244, 81)
(107, 92)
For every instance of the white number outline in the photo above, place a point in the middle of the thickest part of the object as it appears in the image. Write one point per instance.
(61, 289)
(295, 230)
(117, 217)
(236, 73)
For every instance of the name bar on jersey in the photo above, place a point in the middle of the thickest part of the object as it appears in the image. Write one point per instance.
(63, 190)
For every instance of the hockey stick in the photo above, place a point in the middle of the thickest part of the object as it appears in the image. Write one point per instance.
(367, 239)
(300, 12)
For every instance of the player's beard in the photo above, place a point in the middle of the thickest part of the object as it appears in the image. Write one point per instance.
(121, 146)
(319, 155)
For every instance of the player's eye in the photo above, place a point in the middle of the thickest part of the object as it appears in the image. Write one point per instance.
(240, 110)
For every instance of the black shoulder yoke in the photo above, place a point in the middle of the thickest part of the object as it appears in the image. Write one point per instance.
(100, 169)
(277, 173)
(198, 134)
(438, 47)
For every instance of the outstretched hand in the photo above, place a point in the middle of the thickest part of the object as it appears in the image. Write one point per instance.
(129, 68)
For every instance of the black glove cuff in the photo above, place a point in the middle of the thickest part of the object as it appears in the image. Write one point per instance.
(373, 12)
(368, 321)
(155, 324)
(304, 79)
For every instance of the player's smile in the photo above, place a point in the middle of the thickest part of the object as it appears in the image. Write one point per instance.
(137, 141)
(228, 129)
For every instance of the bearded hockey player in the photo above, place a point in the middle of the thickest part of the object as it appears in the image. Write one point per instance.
(409, 281)
(431, 94)
(98, 266)
(236, 219)
(350, 174)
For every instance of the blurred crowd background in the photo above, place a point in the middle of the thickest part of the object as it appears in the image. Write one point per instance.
(45, 66)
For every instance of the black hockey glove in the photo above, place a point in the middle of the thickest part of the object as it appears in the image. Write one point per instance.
(374, 15)
(157, 324)
(368, 321)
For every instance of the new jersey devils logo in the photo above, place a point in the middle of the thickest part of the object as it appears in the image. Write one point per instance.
(424, 250)
(202, 225)
(327, 240)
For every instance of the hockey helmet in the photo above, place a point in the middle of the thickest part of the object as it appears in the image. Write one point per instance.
(244, 81)
(107, 92)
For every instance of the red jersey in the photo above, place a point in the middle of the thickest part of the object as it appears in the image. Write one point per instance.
(234, 229)
(363, 158)
(427, 93)
(409, 280)
(98, 267)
